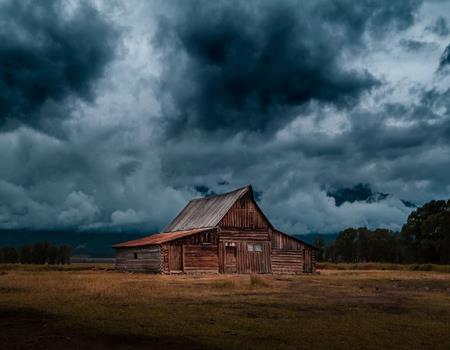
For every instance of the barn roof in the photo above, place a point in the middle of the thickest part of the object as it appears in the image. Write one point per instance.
(199, 215)
(160, 238)
(206, 212)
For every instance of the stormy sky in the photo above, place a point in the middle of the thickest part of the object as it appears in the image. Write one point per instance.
(114, 114)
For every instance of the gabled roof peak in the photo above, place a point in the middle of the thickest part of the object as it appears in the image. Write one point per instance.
(207, 211)
(248, 187)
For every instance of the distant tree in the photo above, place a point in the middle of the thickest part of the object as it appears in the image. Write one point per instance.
(426, 234)
(330, 253)
(320, 245)
(8, 255)
(64, 254)
(26, 254)
(362, 245)
(344, 246)
(40, 253)
(52, 255)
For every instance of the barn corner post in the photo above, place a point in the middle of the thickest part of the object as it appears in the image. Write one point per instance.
(226, 233)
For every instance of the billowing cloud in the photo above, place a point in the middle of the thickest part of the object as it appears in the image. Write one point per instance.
(222, 74)
(50, 50)
(300, 99)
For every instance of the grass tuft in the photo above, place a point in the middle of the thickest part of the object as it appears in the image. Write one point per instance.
(223, 284)
(256, 281)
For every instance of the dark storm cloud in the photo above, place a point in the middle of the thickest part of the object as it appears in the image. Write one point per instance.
(340, 103)
(445, 58)
(358, 193)
(249, 66)
(48, 52)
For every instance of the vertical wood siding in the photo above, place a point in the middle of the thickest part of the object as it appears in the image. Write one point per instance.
(282, 241)
(175, 258)
(244, 214)
(253, 262)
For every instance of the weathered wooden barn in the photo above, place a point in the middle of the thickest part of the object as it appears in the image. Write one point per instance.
(226, 233)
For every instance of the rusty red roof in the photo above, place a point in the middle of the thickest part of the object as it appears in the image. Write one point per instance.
(161, 238)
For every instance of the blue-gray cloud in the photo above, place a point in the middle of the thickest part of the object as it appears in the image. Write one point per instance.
(47, 53)
(249, 66)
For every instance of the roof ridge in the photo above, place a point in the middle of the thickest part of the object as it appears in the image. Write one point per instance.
(206, 211)
(220, 194)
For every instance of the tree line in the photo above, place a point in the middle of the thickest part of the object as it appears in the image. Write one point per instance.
(424, 238)
(39, 253)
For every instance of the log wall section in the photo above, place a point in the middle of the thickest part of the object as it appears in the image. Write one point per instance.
(287, 261)
(283, 242)
(200, 258)
(144, 259)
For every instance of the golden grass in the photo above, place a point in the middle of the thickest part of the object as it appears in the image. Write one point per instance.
(384, 266)
(332, 310)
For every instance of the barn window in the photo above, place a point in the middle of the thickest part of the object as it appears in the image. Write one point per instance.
(254, 247)
(135, 255)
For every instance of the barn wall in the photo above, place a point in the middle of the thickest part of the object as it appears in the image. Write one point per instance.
(148, 259)
(197, 253)
(200, 258)
(229, 234)
(244, 214)
(253, 262)
(287, 261)
(246, 261)
(165, 258)
(283, 241)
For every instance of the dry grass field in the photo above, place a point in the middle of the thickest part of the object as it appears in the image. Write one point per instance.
(96, 308)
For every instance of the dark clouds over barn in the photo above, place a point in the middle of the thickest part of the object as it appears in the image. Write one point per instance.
(105, 106)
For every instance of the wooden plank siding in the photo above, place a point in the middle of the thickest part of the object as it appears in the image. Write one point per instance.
(200, 258)
(244, 214)
(287, 261)
(145, 259)
(252, 262)
(283, 242)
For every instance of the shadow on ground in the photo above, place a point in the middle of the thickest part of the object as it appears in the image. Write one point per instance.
(28, 328)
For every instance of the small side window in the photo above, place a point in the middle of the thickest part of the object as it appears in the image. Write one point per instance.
(250, 247)
(257, 247)
(135, 255)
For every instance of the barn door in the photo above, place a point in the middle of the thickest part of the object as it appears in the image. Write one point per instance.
(307, 262)
(230, 259)
(175, 258)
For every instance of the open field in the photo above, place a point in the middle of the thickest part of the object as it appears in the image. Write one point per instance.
(92, 307)
(383, 266)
